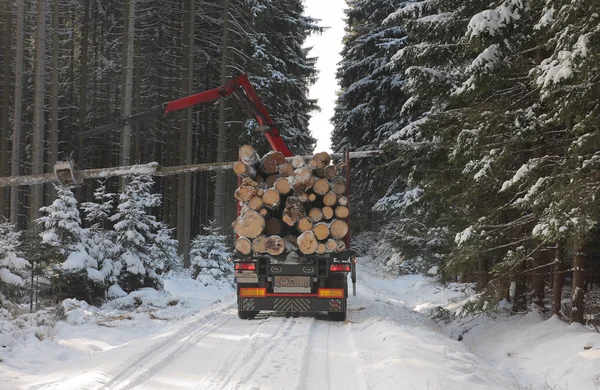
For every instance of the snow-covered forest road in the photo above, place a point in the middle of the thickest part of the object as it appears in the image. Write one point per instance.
(384, 345)
(387, 343)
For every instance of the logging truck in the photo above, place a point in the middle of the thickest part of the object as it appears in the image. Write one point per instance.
(292, 249)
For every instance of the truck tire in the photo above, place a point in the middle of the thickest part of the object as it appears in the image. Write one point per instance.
(336, 315)
(247, 315)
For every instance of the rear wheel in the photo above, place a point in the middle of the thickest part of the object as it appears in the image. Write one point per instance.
(247, 315)
(336, 315)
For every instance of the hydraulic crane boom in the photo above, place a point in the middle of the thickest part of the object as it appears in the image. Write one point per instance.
(240, 88)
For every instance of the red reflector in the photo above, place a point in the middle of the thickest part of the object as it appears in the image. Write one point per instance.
(245, 266)
(339, 267)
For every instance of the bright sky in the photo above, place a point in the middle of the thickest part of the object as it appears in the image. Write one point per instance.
(327, 48)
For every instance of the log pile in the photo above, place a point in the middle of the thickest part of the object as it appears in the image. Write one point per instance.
(289, 205)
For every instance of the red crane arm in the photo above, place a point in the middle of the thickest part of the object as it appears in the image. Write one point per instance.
(242, 90)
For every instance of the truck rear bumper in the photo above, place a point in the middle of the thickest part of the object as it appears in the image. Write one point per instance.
(292, 304)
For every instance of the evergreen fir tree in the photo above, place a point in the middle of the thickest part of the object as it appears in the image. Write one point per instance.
(12, 267)
(76, 272)
(210, 257)
(370, 93)
(102, 240)
(281, 69)
(142, 241)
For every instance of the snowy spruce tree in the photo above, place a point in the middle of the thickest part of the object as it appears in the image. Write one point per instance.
(281, 69)
(65, 242)
(144, 250)
(12, 267)
(210, 257)
(370, 92)
(102, 239)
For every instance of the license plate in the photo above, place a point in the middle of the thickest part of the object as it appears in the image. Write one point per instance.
(292, 281)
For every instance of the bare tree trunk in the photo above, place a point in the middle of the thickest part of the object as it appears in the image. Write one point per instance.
(7, 39)
(37, 154)
(127, 88)
(578, 293)
(54, 96)
(558, 279)
(16, 142)
(85, 32)
(184, 219)
(537, 278)
(221, 184)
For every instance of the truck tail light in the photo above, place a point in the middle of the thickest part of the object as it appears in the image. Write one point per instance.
(245, 266)
(331, 293)
(253, 292)
(339, 267)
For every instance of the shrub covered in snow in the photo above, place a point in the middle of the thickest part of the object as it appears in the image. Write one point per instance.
(209, 257)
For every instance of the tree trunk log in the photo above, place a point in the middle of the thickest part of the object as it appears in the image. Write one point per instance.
(294, 210)
(275, 245)
(537, 278)
(315, 214)
(271, 199)
(256, 203)
(243, 170)
(321, 231)
(249, 224)
(321, 186)
(321, 248)
(245, 193)
(270, 180)
(320, 160)
(327, 212)
(338, 185)
(342, 201)
(338, 229)
(248, 155)
(342, 212)
(302, 179)
(243, 245)
(259, 244)
(307, 243)
(312, 197)
(286, 169)
(331, 245)
(304, 224)
(282, 185)
(270, 162)
(298, 162)
(330, 199)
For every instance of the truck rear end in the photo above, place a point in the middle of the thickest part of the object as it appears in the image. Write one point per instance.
(313, 284)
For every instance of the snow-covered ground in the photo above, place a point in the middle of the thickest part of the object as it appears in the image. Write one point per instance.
(190, 338)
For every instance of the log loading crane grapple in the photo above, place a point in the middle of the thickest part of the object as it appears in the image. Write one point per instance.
(319, 282)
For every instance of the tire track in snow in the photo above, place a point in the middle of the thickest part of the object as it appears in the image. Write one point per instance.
(146, 364)
(253, 350)
(224, 368)
(306, 355)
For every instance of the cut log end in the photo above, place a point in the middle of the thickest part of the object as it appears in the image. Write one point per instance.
(307, 243)
(321, 186)
(271, 198)
(275, 245)
(315, 214)
(282, 185)
(243, 245)
(321, 248)
(249, 224)
(270, 162)
(330, 199)
(259, 244)
(286, 169)
(338, 229)
(248, 155)
(327, 212)
(244, 170)
(304, 224)
(321, 231)
(342, 212)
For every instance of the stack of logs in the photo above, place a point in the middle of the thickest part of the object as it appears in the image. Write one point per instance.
(289, 204)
